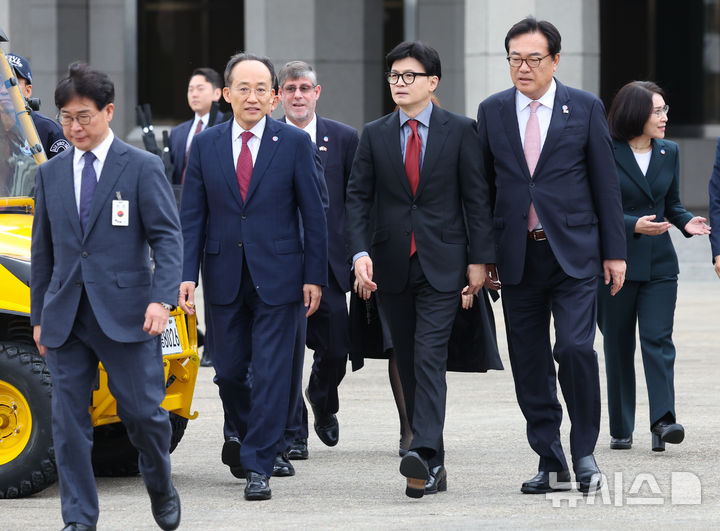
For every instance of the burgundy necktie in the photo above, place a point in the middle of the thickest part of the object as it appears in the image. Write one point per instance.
(244, 165)
(532, 154)
(187, 153)
(412, 167)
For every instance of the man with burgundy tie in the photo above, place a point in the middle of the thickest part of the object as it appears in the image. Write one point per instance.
(246, 182)
(419, 232)
(558, 222)
(100, 208)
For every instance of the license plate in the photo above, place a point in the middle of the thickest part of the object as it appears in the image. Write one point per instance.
(170, 338)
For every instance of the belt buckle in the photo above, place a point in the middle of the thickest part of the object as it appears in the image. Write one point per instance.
(536, 235)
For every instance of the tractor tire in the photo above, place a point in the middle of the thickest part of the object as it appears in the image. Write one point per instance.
(114, 455)
(27, 460)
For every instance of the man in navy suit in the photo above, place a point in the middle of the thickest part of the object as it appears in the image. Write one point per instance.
(100, 208)
(327, 329)
(246, 182)
(204, 89)
(714, 191)
(558, 225)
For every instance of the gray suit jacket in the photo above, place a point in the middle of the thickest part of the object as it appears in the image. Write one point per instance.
(111, 262)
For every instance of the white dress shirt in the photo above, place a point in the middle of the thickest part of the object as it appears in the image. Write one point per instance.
(310, 128)
(643, 160)
(100, 151)
(254, 143)
(205, 118)
(544, 112)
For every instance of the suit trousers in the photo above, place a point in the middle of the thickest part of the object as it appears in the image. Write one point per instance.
(420, 319)
(546, 290)
(650, 305)
(137, 381)
(257, 338)
(296, 427)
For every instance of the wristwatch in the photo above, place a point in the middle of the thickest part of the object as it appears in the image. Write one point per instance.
(168, 307)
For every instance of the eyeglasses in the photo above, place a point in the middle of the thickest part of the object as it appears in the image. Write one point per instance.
(407, 77)
(304, 89)
(260, 92)
(533, 62)
(82, 118)
(659, 111)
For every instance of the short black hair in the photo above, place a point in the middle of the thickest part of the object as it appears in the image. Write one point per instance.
(86, 82)
(631, 108)
(210, 75)
(246, 56)
(425, 55)
(532, 25)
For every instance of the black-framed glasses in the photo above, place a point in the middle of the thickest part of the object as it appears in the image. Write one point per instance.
(516, 61)
(83, 118)
(659, 111)
(407, 77)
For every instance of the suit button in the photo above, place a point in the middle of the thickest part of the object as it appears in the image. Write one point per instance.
(414, 207)
(650, 206)
(78, 284)
(239, 244)
(244, 216)
(532, 185)
(84, 254)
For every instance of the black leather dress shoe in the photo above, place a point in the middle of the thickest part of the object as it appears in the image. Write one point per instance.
(326, 424)
(547, 482)
(437, 482)
(258, 487)
(620, 443)
(231, 457)
(74, 526)
(663, 432)
(415, 469)
(206, 360)
(282, 467)
(165, 508)
(298, 450)
(587, 474)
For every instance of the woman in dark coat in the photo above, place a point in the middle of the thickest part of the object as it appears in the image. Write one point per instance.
(648, 169)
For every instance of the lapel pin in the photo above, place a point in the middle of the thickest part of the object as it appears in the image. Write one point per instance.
(325, 139)
(662, 151)
(275, 139)
(322, 148)
(565, 109)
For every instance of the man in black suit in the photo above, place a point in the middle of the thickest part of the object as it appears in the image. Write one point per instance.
(558, 223)
(327, 329)
(417, 203)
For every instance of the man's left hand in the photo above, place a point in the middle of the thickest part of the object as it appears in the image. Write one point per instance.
(476, 278)
(312, 294)
(614, 270)
(156, 319)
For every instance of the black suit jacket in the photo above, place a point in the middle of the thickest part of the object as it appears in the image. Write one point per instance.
(450, 213)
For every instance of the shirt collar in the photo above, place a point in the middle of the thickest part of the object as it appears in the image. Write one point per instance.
(205, 118)
(547, 99)
(100, 151)
(423, 116)
(310, 128)
(257, 130)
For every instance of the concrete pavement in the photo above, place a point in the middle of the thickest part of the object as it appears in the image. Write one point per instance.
(356, 485)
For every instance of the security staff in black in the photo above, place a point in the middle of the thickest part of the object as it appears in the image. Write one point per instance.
(49, 131)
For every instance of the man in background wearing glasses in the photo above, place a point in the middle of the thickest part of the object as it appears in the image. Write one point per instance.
(246, 181)
(558, 223)
(419, 233)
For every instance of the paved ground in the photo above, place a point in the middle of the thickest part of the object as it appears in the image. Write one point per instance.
(356, 485)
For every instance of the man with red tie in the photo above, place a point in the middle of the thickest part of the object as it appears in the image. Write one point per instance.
(245, 184)
(419, 232)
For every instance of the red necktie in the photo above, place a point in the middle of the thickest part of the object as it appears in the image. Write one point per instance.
(244, 165)
(532, 154)
(187, 153)
(412, 167)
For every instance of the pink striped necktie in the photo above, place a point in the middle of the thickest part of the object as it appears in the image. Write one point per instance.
(532, 154)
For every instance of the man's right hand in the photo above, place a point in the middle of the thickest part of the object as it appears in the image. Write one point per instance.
(36, 336)
(363, 275)
(186, 297)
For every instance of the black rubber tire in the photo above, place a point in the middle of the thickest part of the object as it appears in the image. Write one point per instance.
(34, 469)
(114, 455)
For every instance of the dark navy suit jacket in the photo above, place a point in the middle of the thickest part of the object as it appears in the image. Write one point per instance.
(264, 229)
(714, 189)
(657, 192)
(111, 262)
(336, 143)
(574, 189)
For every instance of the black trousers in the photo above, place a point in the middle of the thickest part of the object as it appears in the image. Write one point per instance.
(420, 319)
(546, 290)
